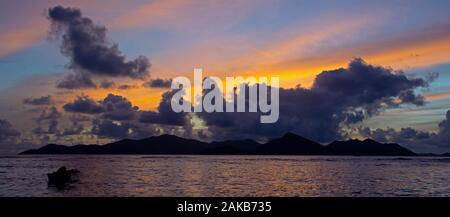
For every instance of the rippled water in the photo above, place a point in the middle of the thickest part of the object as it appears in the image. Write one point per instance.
(228, 176)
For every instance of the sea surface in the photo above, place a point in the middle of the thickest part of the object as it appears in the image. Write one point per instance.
(133, 175)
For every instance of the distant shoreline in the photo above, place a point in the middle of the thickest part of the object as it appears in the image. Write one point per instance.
(289, 145)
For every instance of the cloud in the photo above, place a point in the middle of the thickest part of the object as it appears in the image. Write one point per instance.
(113, 117)
(107, 84)
(73, 130)
(44, 100)
(7, 131)
(76, 128)
(84, 104)
(158, 83)
(53, 127)
(113, 107)
(402, 136)
(408, 136)
(126, 86)
(444, 126)
(441, 138)
(89, 50)
(116, 117)
(337, 100)
(122, 129)
(76, 81)
(164, 114)
(112, 84)
(49, 114)
(118, 108)
(120, 119)
(110, 129)
(364, 84)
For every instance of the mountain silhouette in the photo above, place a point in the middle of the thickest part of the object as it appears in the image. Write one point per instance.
(231, 147)
(289, 144)
(367, 147)
(164, 144)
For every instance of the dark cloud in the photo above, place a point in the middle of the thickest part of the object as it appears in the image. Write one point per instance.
(7, 131)
(51, 113)
(39, 131)
(80, 118)
(112, 84)
(239, 125)
(72, 130)
(164, 113)
(364, 84)
(107, 84)
(337, 99)
(89, 50)
(110, 129)
(158, 83)
(122, 129)
(76, 81)
(44, 100)
(410, 97)
(76, 128)
(419, 140)
(442, 137)
(402, 136)
(113, 107)
(126, 86)
(444, 126)
(53, 127)
(121, 119)
(84, 104)
(50, 117)
(118, 108)
(430, 77)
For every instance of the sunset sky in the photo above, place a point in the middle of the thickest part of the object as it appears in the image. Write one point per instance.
(404, 46)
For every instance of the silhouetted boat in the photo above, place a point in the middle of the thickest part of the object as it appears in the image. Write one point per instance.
(62, 177)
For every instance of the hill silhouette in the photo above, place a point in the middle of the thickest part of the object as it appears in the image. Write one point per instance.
(367, 147)
(289, 144)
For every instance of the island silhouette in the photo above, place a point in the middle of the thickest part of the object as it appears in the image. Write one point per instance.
(289, 144)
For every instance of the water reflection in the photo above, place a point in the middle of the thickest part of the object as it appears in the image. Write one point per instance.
(228, 176)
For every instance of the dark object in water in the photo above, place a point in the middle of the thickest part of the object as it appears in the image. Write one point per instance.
(61, 177)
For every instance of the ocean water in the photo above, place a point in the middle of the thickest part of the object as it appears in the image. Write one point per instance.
(135, 175)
